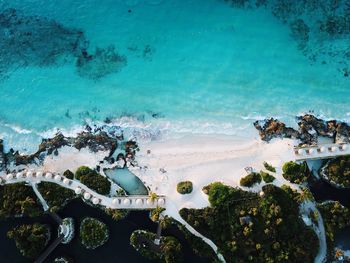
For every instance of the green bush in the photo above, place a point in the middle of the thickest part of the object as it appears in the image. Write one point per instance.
(185, 187)
(250, 180)
(269, 167)
(93, 180)
(30, 239)
(69, 174)
(338, 170)
(295, 173)
(93, 233)
(117, 214)
(268, 178)
(18, 199)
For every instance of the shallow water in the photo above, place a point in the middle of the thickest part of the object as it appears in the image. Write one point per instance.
(127, 180)
(192, 66)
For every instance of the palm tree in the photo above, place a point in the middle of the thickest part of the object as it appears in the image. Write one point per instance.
(152, 196)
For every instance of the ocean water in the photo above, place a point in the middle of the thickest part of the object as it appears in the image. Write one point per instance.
(189, 66)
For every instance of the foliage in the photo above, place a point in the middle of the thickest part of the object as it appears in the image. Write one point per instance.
(30, 239)
(169, 249)
(56, 196)
(250, 180)
(93, 233)
(250, 228)
(155, 213)
(69, 174)
(18, 199)
(338, 170)
(268, 178)
(93, 180)
(295, 173)
(269, 167)
(117, 214)
(185, 187)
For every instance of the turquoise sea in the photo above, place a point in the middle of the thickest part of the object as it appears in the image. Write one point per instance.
(194, 66)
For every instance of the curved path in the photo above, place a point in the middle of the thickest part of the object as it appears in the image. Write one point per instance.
(121, 202)
(321, 152)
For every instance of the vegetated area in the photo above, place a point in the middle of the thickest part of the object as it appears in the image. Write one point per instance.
(268, 178)
(93, 233)
(169, 249)
(55, 195)
(93, 180)
(116, 214)
(250, 180)
(335, 217)
(338, 170)
(184, 187)
(269, 167)
(17, 200)
(30, 239)
(249, 228)
(296, 173)
(69, 174)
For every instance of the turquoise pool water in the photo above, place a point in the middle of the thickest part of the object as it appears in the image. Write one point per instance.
(189, 66)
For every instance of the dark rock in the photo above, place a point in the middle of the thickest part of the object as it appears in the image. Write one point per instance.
(342, 133)
(273, 128)
(308, 122)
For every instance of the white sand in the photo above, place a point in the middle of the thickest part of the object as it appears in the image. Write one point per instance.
(72, 158)
(206, 159)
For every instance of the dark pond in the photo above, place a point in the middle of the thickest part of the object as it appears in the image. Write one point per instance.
(117, 248)
(323, 191)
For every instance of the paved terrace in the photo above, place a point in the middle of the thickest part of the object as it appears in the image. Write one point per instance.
(137, 202)
(321, 151)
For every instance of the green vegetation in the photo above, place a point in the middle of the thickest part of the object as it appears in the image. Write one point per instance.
(18, 199)
(155, 213)
(268, 178)
(269, 167)
(55, 195)
(30, 239)
(338, 170)
(169, 249)
(116, 214)
(250, 180)
(93, 233)
(185, 187)
(250, 228)
(69, 174)
(335, 217)
(296, 173)
(93, 180)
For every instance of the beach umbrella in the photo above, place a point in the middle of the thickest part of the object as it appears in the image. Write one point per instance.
(39, 174)
(139, 201)
(29, 174)
(95, 200)
(126, 201)
(344, 147)
(115, 201)
(65, 181)
(149, 201)
(77, 190)
(322, 149)
(87, 195)
(9, 176)
(48, 176)
(334, 149)
(311, 151)
(19, 175)
(57, 177)
(161, 201)
(301, 151)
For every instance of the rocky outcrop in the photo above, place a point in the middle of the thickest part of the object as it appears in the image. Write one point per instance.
(2, 156)
(310, 128)
(273, 128)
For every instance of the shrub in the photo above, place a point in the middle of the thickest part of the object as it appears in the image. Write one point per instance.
(338, 170)
(269, 167)
(69, 174)
(30, 239)
(56, 196)
(93, 180)
(116, 214)
(185, 187)
(295, 173)
(268, 178)
(250, 180)
(93, 233)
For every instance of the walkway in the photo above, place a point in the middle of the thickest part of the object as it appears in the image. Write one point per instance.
(321, 151)
(40, 197)
(121, 202)
(49, 249)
